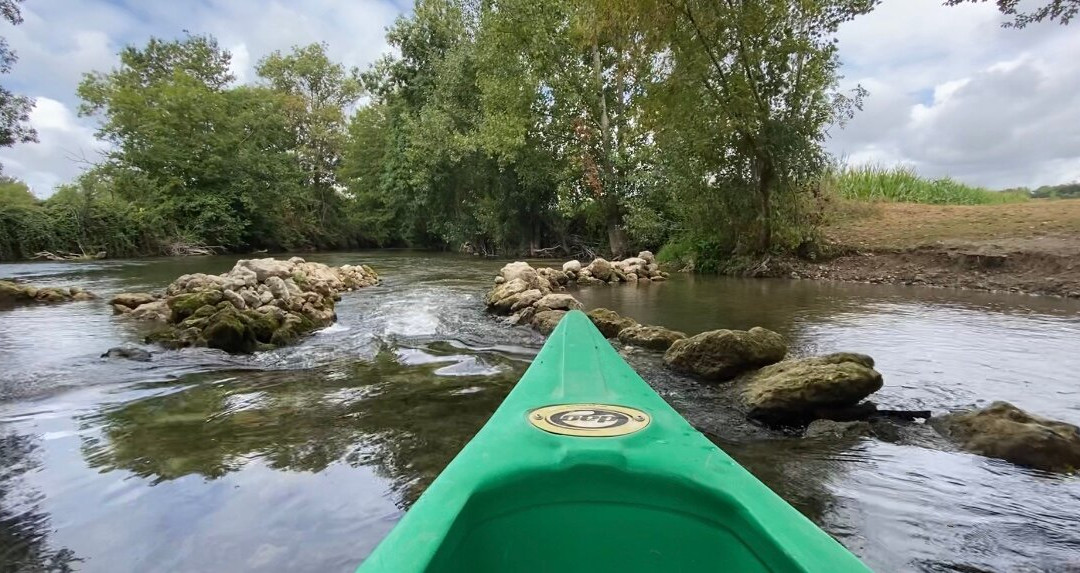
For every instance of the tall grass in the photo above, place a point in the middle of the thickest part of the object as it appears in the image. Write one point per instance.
(903, 185)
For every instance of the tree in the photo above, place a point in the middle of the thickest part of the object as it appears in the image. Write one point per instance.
(318, 91)
(1060, 11)
(218, 163)
(742, 107)
(14, 109)
(572, 91)
(15, 193)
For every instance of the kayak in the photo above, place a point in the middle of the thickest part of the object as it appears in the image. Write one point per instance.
(585, 468)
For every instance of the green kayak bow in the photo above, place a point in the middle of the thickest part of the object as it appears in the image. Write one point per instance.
(584, 468)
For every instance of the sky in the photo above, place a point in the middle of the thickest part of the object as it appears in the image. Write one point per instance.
(951, 93)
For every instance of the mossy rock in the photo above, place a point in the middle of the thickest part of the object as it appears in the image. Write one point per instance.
(194, 322)
(52, 295)
(187, 304)
(205, 311)
(609, 322)
(263, 326)
(292, 328)
(228, 330)
(13, 292)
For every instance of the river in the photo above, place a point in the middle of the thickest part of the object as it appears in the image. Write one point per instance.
(303, 458)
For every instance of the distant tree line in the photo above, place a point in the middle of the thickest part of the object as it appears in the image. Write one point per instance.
(1066, 191)
(503, 128)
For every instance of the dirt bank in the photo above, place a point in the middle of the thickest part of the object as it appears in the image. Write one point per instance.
(1031, 247)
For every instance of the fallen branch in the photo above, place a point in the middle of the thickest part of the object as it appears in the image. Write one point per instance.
(180, 249)
(65, 256)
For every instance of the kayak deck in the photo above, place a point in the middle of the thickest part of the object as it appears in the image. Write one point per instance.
(660, 497)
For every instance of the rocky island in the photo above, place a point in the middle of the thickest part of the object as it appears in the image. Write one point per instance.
(259, 304)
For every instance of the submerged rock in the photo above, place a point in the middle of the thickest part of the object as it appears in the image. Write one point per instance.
(833, 429)
(127, 352)
(796, 390)
(1007, 432)
(545, 321)
(18, 293)
(609, 322)
(132, 300)
(651, 337)
(724, 354)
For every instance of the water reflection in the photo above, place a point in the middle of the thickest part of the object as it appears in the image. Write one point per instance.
(24, 528)
(302, 458)
(407, 420)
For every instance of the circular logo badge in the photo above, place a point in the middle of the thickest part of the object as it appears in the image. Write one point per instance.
(598, 420)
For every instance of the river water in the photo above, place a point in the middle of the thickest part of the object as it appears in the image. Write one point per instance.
(303, 458)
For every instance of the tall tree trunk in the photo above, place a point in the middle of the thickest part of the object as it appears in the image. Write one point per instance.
(765, 183)
(617, 240)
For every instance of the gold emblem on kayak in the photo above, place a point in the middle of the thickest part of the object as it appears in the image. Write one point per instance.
(591, 420)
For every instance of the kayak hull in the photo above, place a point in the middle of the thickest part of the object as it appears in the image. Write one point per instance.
(526, 493)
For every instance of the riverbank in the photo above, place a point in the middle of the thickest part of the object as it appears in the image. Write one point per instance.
(1030, 248)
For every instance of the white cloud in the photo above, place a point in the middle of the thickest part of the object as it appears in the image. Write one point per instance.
(60, 40)
(65, 145)
(954, 94)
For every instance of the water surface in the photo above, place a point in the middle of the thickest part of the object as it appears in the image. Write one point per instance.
(303, 458)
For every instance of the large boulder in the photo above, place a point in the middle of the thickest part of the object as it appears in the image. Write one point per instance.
(651, 337)
(724, 354)
(227, 330)
(648, 257)
(546, 321)
(609, 322)
(523, 271)
(132, 299)
(526, 299)
(796, 390)
(572, 266)
(1007, 432)
(557, 302)
(185, 305)
(500, 299)
(600, 269)
(263, 269)
(157, 310)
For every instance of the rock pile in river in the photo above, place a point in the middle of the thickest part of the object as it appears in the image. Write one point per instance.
(789, 392)
(642, 268)
(260, 303)
(18, 293)
(528, 296)
(1007, 432)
